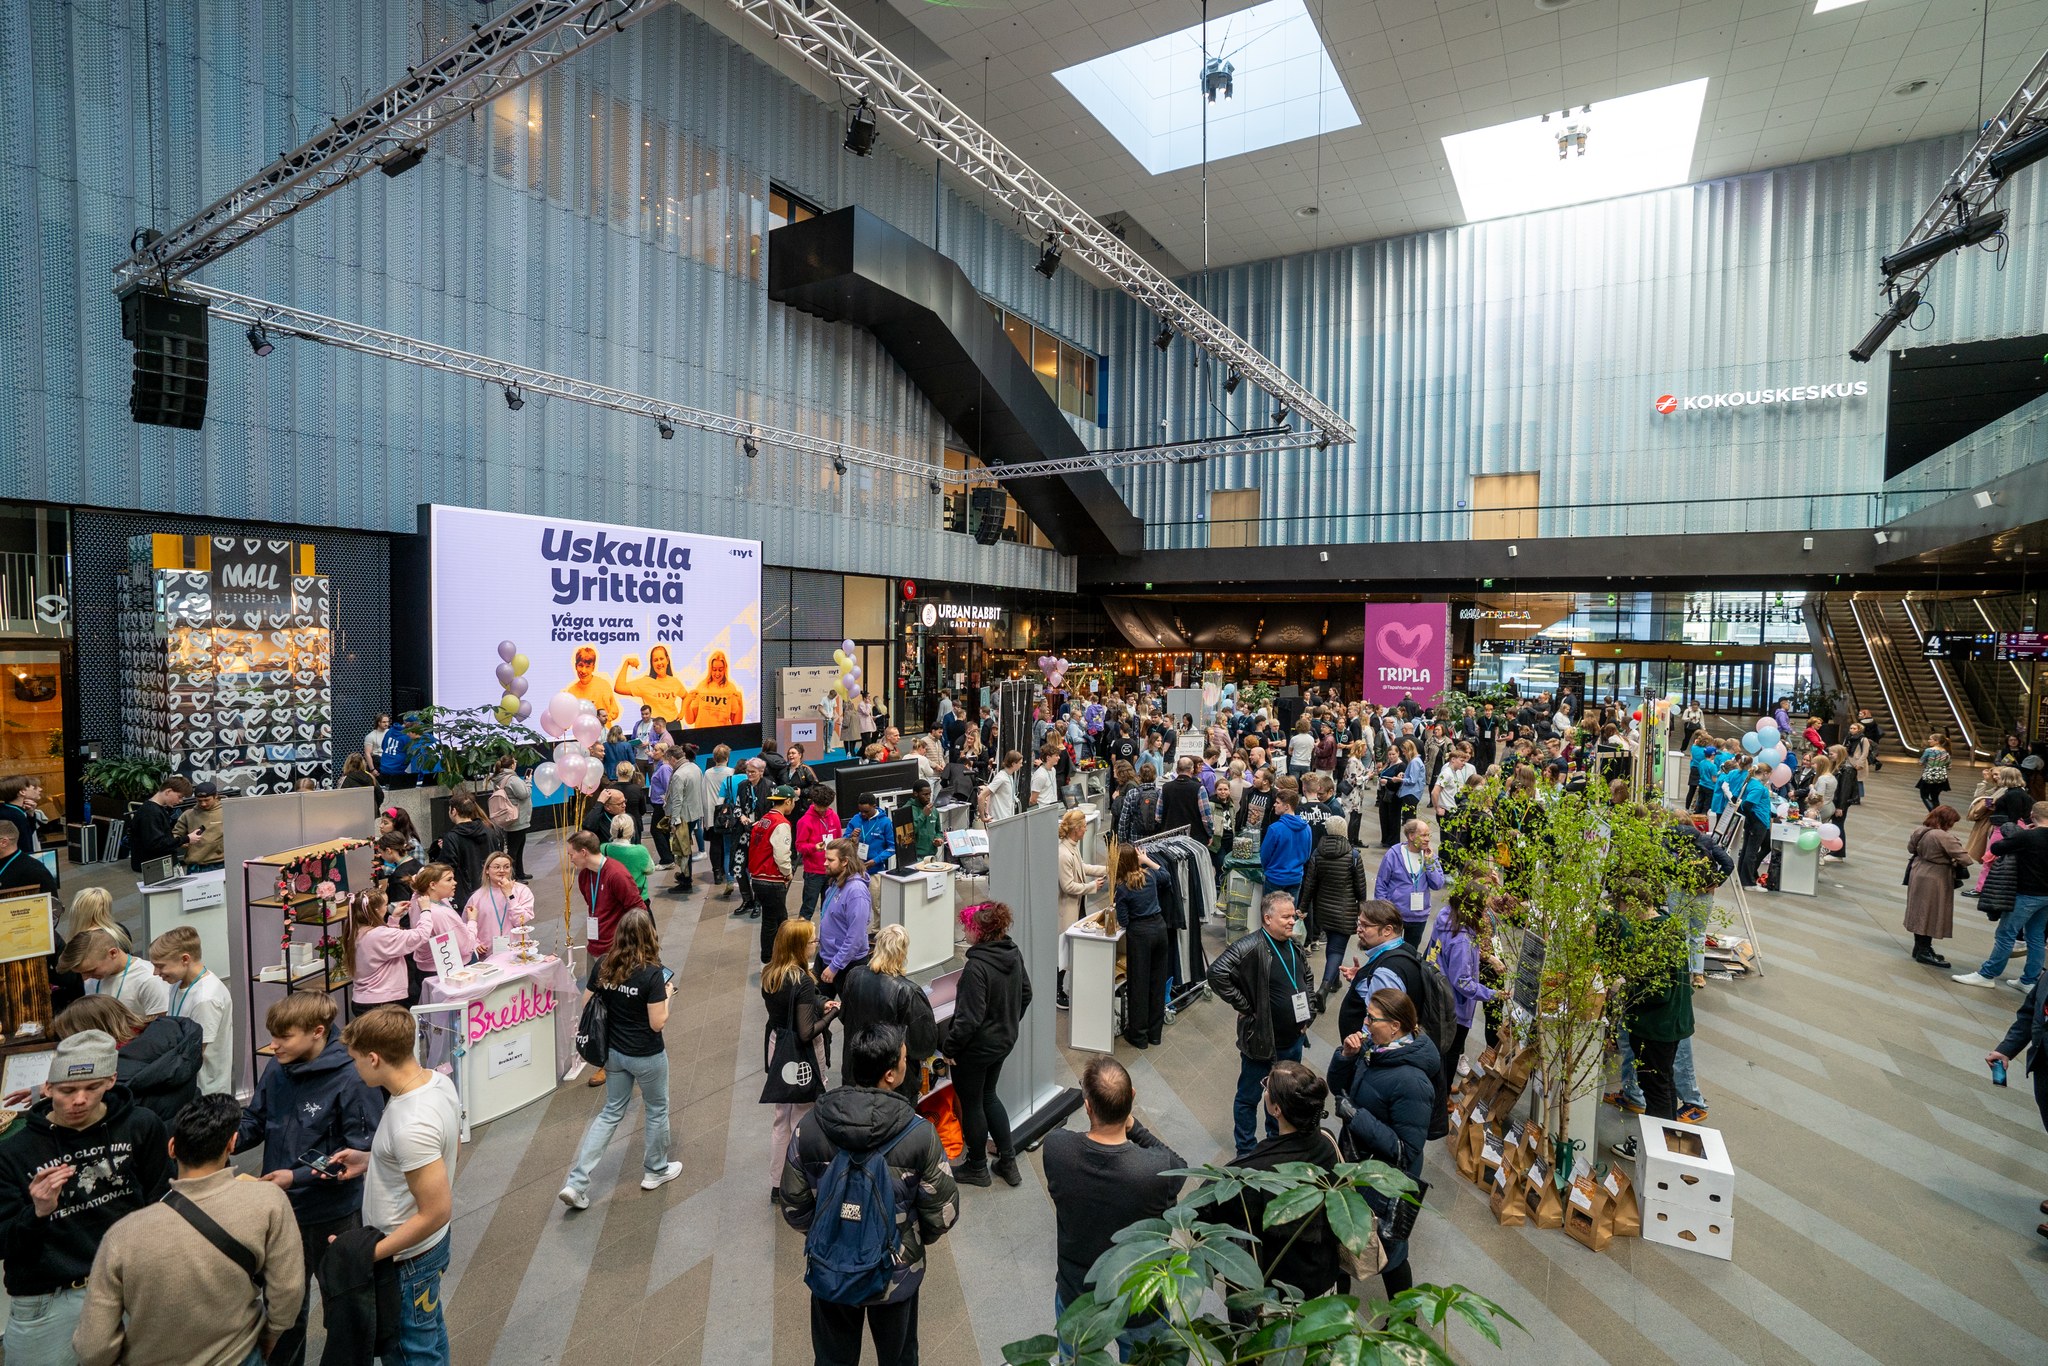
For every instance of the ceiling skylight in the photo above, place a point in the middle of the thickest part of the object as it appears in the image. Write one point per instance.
(1282, 88)
(1615, 147)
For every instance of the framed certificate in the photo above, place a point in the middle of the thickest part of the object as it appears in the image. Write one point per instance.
(26, 927)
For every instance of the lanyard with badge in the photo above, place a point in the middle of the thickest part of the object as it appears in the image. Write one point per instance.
(504, 912)
(178, 1001)
(1300, 998)
(590, 930)
(1415, 865)
(99, 988)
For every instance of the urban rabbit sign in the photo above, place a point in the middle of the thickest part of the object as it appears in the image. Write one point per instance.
(1407, 652)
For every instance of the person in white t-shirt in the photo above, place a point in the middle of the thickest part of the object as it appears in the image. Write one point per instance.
(201, 997)
(410, 1169)
(999, 794)
(111, 970)
(1045, 779)
(1450, 781)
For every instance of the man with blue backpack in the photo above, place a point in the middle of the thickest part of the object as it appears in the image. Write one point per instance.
(867, 1183)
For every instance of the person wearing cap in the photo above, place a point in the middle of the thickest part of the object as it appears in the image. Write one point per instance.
(85, 1157)
(199, 831)
(769, 865)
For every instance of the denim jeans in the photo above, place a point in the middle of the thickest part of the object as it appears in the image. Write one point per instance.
(1336, 943)
(814, 890)
(1125, 1341)
(422, 1332)
(1682, 1075)
(1699, 913)
(2024, 923)
(1251, 1079)
(621, 1070)
(39, 1328)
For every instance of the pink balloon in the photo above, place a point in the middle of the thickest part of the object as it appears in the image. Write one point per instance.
(548, 727)
(591, 776)
(562, 709)
(1780, 776)
(588, 730)
(1831, 845)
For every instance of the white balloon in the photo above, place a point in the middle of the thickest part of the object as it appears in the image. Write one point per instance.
(587, 708)
(546, 780)
(562, 709)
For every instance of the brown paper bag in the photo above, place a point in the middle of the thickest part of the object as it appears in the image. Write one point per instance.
(1539, 1196)
(1506, 1201)
(1514, 1079)
(1493, 1151)
(1587, 1216)
(1621, 1193)
(1468, 1139)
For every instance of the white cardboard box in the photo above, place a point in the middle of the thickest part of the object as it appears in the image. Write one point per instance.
(1693, 1230)
(1684, 1164)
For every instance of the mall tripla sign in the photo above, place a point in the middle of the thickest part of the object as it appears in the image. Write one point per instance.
(1760, 398)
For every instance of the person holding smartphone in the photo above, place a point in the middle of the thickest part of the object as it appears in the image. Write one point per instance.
(309, 1103)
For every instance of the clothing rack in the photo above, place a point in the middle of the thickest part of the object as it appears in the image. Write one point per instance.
(1186, 991)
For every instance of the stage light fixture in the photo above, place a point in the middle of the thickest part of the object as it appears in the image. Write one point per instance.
(2020, 153)
(1231, 381)
(1902, 308)
(1165, 337)
(667, 432)
(1985, 498)
(860, 129)
(1967, 234)
(404, 161)
(1049, 256)
(750, 446)
(259, 340)
(933, 485)
(513, 398)
(838, 465)
(1281, 414)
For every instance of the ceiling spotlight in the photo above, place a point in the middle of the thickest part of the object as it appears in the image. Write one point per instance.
(1965, 234)
(1281, 414)
(1902, 308)
(259, 340)
(1231, 382)
(1322, 441)
(933, 485)
(2019, 153)
(1307, 211)
(1884, 537)
(838, 465)
(668, 433)
(750, 446)
(1217, 79)
(1985, 498)
(404, 161)
(513, 398)
(860, 129)
(1049, 256)
(1165, 337)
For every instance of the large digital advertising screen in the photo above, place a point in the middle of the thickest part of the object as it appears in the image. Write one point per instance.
(619, 616)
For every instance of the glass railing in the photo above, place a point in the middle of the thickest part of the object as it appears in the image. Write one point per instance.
(2010, 444)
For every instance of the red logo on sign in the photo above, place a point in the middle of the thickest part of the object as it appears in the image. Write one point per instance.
(909, 590)
(1667, 403)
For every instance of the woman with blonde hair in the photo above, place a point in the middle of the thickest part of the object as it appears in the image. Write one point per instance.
(93, 909)
(791, 994)
(876, 991)
(1078, 878)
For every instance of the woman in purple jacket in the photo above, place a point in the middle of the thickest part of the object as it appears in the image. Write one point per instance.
(1455, 950)
(1408, 874)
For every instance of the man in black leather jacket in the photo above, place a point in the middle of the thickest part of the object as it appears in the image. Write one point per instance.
(1264, 977)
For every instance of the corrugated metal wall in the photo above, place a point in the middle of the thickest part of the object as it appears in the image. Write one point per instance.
(1543, 342)
(601, 222)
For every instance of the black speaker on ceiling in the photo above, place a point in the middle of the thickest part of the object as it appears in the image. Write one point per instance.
(987, 507)
(168, 331)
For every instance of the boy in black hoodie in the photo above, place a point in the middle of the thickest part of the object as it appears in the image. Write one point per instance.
(86, 1156)
(309, 1101)
(469, 842)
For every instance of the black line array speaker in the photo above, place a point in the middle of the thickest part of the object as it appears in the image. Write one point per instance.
(169, 334)
(989, 507)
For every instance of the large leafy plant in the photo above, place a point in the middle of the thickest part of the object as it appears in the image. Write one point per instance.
(126, 777)
(463, 745)
(1167, 1266)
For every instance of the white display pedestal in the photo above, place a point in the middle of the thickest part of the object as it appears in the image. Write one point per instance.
(906, 899)
(1091, 985)
(517, 1032)
(1095, 839)
(1676, 778)
(199, 900)
(1797, 870)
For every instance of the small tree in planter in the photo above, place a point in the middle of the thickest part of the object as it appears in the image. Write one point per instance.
(461, 747)
(1168, 1265)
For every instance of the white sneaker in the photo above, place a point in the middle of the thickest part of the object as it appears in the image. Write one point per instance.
(1625, 1148)
(1974, 979)
(656, 1180)
(573, 1198)
(2017, 985)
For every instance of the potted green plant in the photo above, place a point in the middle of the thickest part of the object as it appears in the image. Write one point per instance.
(459, 749)
(125, 778)
(1168, 1265)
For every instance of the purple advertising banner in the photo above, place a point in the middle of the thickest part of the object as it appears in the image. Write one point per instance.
(1407, 651)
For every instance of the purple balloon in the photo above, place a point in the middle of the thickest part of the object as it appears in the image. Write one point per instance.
(506, 649)
(525, 707)
(506, 676)
(517, 687)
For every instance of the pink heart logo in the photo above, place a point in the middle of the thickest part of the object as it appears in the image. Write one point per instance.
(1403, 645)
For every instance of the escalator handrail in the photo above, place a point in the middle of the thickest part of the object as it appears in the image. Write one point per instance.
(1877, 670)
(1934, 666)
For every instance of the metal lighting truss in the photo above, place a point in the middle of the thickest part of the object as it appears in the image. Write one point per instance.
(844, 51)
(286, 321)
(455, 82)
(1968, 193)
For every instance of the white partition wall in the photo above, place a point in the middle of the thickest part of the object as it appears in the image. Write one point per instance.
(1023, 873)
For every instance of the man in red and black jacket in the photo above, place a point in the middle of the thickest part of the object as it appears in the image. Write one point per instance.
(768, 864)
(608, 892)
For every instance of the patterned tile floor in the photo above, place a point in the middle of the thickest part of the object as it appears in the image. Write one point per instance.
(1885, 1198)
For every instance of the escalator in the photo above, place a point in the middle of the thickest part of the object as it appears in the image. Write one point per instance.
(1875, 640)
(1869, 663)
(1934, 681)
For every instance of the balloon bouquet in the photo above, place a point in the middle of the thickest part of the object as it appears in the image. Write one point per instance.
(573, 724)
(847, 689)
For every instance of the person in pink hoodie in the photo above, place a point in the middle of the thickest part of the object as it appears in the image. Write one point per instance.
(373, 951)
(433, 908)
(816, 828)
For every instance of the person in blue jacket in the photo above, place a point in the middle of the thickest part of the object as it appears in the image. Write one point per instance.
(1700, 751)
(1284, 849)
(1386, 1074)
(875, 830)
(1756, 822)
(310, 1100)
(1728, 783)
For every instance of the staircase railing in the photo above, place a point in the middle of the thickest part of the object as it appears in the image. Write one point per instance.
(1939, 669)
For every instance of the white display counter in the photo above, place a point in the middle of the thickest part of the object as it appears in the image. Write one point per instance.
(199, 900)
(515, 1033)
(1795, 870)
(1091, 984)
(922, 902)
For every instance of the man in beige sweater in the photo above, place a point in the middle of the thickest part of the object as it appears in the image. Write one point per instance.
(162, 1294)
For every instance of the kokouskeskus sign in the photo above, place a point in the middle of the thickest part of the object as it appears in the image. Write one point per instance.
(1761, 398)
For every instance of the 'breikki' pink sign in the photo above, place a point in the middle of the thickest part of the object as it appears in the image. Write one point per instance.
(532, 1003)
(1407, 652)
